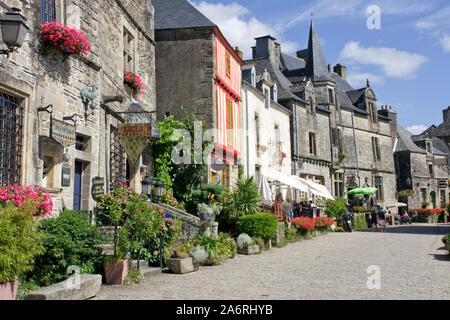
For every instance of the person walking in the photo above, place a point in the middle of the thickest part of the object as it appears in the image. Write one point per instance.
(382, 215)
(374, 220)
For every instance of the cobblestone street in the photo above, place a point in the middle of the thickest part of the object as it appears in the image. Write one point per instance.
(412, 261)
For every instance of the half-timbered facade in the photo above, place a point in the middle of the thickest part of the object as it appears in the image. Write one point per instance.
(197, 69)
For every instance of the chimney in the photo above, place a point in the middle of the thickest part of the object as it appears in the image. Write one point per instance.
(446, 111)
(389, 112)
(239, 52)
(341, 70)
(265, 47)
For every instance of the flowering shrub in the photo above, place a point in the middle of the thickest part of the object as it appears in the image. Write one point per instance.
(134, 81)
(304, 224)
(322, 223)
(64, 38)
(18, 195)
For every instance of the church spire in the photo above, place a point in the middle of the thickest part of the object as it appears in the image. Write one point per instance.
(316, 66)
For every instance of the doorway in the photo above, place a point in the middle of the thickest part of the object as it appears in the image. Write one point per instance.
(78, 178)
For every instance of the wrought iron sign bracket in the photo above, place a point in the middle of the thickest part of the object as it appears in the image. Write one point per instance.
(45, 109)
(71, 118)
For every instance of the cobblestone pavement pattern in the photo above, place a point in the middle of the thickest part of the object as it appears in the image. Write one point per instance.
(412, 261)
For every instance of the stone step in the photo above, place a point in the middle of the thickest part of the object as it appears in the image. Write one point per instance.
(88, 287)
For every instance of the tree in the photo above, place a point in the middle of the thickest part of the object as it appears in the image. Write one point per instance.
(336, 208)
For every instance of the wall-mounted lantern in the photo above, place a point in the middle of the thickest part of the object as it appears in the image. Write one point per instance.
(14, 30)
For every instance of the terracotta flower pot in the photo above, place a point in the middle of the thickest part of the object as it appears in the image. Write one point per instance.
(115, 272)
(8, 290)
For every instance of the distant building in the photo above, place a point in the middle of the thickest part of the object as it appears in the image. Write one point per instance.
(198, 69)
(422, 163)
(339, 139)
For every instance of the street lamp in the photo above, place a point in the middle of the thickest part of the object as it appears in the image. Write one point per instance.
(147, 187)
(14, 30)
(159, 186)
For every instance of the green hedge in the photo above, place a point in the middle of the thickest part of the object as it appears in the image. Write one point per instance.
(259, 225)
(68, 242)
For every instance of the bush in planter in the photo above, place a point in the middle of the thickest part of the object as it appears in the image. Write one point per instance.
(323, 223)
(305, 225)
(259, 225)
(361, 221)
(218, 249)
(244, 241)
(69, 240)
(336, 208)
(20, 241)
(69, 40)
(446, 239)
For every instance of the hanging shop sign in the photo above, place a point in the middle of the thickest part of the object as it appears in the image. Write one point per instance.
(98, 188)
(63, 133)
(134, 138)
(65, 177)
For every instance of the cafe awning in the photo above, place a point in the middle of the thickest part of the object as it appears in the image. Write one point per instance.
(285, 179)
(317, 189)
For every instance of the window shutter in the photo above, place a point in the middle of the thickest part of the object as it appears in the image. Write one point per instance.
(230, 119)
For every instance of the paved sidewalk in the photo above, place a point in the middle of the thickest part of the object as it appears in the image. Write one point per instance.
(412, 261)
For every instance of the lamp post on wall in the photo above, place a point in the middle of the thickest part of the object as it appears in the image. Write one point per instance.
(147, 187)
(14, 30)
(159, 186)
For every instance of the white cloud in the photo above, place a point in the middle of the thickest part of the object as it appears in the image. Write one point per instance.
(359, 80)
(239, 27)
(425, 25)
(417, 129)
(356, 9)
(445, 42)
(393, 62)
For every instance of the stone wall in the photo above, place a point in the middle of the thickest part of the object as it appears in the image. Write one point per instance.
(185, 73)
(41, 79)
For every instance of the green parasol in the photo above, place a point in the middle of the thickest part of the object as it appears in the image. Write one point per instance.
(362, 191)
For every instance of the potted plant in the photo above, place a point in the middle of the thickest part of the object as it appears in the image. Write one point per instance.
(207, 212)
(117, 265)
(446, 241)
(246, 245)
(180, 262)
(20, 243)
(199, 256)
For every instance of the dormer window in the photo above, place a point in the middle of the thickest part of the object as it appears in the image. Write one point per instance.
(330, 96)
(253, 80)
(429, 146)
(275, 93)
(373, 111)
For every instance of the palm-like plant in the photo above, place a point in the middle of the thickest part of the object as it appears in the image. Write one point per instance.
(243, 200)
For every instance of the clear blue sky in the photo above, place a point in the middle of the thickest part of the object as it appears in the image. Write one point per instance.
(407, 60)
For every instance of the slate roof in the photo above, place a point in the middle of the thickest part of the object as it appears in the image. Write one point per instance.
(178, 14)
(343, 86)
(316, 65)
(292, 63)
(405, 142)
(283, 84)
(443, 130)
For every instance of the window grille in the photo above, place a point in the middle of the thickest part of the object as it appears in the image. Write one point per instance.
(11, 136)
(48, 11)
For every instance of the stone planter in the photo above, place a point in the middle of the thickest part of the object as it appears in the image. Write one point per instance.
(115, 272)
(250, 250)
(180, 266)
(8, 290)
(447, 246)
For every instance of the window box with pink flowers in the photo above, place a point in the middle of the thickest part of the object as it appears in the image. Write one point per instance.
(134, 81)
(67, 40)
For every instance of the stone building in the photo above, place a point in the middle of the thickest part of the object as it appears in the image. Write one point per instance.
(85, 94)
(422, 164)
(196, 68)
(267, 142)
(339, 139)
